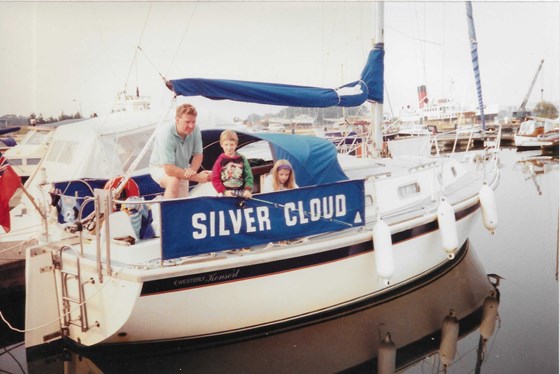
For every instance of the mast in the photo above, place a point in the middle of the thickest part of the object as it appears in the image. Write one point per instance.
(377, 107)
(476, 68)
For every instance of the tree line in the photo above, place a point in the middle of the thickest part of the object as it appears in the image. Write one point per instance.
(39, 119)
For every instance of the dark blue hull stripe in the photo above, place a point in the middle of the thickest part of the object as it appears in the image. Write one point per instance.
(246, 272)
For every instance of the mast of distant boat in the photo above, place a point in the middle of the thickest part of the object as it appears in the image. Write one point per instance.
(377, 107)
(476, 68)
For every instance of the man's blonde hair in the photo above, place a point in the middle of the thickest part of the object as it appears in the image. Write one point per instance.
(186, 109)
(228, 135)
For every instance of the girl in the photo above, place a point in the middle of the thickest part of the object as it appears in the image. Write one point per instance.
(281, 178)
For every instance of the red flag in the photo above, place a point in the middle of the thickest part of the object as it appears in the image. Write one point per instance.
(9, 183)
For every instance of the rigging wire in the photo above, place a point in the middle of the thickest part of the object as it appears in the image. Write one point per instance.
(413, 37)
(139, 48)
(136, 50)
(151, 63)
(188, 24)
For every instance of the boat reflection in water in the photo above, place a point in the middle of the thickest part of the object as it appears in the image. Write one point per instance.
(535, 165)
(423, 320)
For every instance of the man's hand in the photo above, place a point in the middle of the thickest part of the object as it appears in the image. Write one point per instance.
(247, 194)
(202, 177)
(188, 173)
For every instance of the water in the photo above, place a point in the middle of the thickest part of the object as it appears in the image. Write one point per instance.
(523, 251)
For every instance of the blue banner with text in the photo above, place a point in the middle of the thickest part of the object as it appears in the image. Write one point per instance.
(212, 224)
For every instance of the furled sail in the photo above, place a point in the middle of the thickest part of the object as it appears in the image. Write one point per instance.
(368, 87)
(476, 67)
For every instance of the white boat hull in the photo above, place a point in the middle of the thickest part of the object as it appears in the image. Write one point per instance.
(530, 141)
(413, 318)
(234, 292)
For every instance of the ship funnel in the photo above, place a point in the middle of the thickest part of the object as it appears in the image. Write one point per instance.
(422, 96)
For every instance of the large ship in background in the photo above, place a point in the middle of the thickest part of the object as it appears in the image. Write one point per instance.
(448, 114)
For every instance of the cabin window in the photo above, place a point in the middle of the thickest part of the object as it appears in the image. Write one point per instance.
(33, 161)
(368, 200)
(63, 151)
(37, 138)
(15, 161)
(409, 190)
(129, 147)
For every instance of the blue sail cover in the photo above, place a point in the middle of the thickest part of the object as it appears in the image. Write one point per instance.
(368, 87)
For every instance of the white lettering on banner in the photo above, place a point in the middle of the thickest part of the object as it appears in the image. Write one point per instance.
(326, 207)
(263, 219)
(315, 209)
(213, 224)
(224, 223)
(249, 219)
(199, 228)
(288, 208)
(236, 220)
(223, 231)
(340, 202)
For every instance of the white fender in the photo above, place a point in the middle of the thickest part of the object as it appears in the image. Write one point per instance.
(447, 228)
(489, 316)
(387, 356)
(449, 337)
(383, 251)
(488, 205)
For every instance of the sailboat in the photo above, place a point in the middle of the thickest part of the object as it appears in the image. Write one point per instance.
(358, 230)
(356, 342)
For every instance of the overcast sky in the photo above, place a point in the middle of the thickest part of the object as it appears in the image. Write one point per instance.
(67, 56)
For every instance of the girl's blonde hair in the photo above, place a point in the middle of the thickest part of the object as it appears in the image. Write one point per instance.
(283, 164)
(228, 135)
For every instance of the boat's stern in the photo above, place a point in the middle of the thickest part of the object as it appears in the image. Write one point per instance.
(70, 295)
(42, 318)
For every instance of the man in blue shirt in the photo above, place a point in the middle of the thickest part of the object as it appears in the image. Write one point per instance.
(175, 145)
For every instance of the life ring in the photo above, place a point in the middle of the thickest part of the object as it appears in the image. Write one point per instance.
(130, 188)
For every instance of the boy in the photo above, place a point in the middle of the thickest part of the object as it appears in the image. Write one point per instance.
(231, 174)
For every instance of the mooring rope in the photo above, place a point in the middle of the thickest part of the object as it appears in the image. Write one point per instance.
(55, 320)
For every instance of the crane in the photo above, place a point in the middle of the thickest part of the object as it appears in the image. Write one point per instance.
(521, 113)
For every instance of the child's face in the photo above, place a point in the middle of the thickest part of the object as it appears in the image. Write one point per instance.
(283, 175)
(229, 147)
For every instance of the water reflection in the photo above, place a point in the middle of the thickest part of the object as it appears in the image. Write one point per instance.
(534, 165)
(397, 333)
